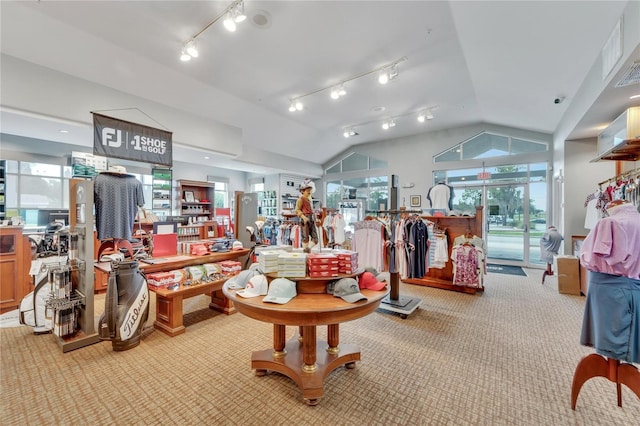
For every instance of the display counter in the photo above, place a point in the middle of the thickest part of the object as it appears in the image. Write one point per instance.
(169, 314)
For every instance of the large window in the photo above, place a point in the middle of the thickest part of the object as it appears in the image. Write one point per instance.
(34, 186)
(221, 190)
(375, 190)
(488, 145)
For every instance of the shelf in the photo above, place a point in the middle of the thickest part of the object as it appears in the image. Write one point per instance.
(199, 191)
(161, 189)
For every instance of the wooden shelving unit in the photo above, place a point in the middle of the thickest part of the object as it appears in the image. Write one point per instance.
(197, 199)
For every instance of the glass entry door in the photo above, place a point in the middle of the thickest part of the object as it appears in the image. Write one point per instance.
(507, 213)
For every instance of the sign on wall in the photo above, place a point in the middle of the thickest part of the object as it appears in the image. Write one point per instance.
(116, 138)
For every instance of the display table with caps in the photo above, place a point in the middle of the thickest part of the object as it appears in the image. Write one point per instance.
(169, 314)
(305, 359)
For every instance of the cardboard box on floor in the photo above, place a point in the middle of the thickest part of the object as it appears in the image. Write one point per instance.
(568, 271)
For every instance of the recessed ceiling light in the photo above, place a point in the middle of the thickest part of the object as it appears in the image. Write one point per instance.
(206, 158)
(64, 131)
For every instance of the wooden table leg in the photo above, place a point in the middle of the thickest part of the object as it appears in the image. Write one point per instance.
(279, 335)
(169, 315)
(309, 348)
(333, 338)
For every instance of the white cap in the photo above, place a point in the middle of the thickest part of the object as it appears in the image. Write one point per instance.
(281, 290)
(257, 286)
(237, 245)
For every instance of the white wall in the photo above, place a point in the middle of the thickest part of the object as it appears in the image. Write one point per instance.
(581, 178)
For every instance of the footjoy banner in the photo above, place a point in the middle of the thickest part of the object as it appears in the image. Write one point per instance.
(130, 141)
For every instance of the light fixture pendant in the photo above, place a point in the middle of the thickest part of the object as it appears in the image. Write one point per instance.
(296, 105)
(383, 77)
(184, 56)
(349, 132)
(239, 13)
(191, 49)
(229, 22)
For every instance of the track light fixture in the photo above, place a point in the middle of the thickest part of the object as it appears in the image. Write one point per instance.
(388, 74)
(234, 14)
(296, 105)
(425, 115)
(388, 124)
(348, 132)
(336, 91)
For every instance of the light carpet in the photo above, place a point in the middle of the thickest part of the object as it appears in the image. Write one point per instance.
(502, 357)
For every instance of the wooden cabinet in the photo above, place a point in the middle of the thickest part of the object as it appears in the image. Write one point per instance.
(15, 260)
(197, 200)
(161, 192)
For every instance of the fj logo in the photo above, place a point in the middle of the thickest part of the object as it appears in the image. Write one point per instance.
(111, 137)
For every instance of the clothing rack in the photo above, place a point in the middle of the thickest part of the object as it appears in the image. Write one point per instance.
(621, 176)
(455, 225)
(394, 302)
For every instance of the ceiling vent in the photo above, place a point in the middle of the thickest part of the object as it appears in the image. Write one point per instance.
(631, 75)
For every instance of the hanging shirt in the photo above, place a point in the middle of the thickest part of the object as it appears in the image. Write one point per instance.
(612, 247)
(117, 198)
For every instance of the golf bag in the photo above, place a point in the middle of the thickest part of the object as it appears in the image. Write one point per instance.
(126, 306)
(33, 307)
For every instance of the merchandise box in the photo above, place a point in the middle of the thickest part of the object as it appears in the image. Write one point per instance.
(568, 271)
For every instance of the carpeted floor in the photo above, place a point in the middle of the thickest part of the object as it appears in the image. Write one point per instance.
(502, 357)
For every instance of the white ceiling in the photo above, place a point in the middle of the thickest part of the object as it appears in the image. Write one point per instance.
(498, 62)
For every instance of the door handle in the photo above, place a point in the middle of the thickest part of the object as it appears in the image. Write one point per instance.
(526, 228)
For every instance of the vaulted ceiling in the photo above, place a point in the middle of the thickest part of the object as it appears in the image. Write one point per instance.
(470, 62)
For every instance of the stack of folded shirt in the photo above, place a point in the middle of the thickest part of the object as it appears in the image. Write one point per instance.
(230, 267)
(162, 279)
(268, 260)
(322, 265)
(292, 265)
(347, 261)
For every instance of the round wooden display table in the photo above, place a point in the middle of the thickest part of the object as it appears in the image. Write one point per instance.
(305, 359)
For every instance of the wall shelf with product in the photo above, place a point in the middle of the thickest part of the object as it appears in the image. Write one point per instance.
(197, 200)
(161, 195)
(268, 203)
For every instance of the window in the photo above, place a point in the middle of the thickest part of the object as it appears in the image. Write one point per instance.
(221, 190)
(489, 145)
(355, 162)
(373, 189)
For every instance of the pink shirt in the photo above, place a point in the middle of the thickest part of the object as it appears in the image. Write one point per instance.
(613, 245)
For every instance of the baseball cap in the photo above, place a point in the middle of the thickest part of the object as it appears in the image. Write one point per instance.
(219, 247)
(281, 290)
(237, 245)
(238, 282)
(257, 286)
(348, 290)
(369, 281)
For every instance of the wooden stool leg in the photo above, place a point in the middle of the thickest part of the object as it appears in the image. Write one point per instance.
(629, 375)
(592, 365)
